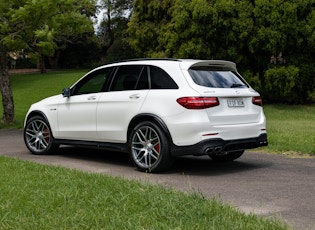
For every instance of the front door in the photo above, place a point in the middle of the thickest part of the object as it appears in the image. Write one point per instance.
(77, 113)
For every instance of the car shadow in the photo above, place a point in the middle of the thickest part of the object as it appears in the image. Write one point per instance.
(96, 155)
(188, 165)
(191, 165)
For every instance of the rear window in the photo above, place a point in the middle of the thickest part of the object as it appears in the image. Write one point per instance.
(216, 78)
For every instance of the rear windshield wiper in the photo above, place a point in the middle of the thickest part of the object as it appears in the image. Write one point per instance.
(235, 85)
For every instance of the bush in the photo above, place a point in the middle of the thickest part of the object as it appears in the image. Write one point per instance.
(282, 83)
(289, 84)
(307, 79)
(252, 79)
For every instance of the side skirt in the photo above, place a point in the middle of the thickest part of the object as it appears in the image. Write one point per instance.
(117, 147)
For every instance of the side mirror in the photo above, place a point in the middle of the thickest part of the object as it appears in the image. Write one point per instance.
(66, 92)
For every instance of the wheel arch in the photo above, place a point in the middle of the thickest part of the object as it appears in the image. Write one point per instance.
(39, 113)
(35, 113)
(148, 117)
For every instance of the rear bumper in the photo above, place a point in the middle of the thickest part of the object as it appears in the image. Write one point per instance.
(213, 146)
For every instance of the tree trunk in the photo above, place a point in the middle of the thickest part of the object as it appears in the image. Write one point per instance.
(54, 61)
(108, 35)
(41, 65)
(6, 90)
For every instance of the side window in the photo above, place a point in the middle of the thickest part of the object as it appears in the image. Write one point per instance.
(143, 82)
(126, 78)
(160, 79)
(93, 83)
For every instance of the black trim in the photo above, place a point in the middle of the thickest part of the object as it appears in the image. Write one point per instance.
(214, 146)
(147, 117)
(206, 147)
(35, 113)
(117, 147)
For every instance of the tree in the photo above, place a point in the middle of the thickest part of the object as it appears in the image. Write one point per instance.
(35, 27)
(84, 53)
(190, 28)
(150, 25)
(5, 88)
(283, 39)
(115, 19)
(251, 33)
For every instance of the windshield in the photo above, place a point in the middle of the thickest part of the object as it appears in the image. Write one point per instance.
(216, 79)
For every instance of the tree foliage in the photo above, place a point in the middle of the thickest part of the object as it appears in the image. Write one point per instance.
(36, 27)
(282, 82)
(112, 29)
(256, 34)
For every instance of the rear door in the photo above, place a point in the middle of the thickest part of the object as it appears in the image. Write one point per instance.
(122, 102)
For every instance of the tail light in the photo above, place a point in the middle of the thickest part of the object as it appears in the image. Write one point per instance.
(257, 101)
(198, 102)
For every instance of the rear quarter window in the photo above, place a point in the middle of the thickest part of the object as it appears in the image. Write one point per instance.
(160, 79)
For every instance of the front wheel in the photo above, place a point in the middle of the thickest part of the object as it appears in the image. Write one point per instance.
(149, 147)
(228, 156)
(38, 137)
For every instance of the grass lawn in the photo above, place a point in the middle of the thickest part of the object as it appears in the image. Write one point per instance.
(290, 128)
(37, 196)
(30, 88)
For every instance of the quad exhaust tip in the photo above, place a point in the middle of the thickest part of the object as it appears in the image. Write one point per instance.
(214, 150)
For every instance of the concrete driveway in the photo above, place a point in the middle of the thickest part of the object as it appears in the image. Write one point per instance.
(265, 184)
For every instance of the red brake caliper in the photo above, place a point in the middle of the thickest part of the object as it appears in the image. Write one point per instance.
(47, 136)
(157, 147)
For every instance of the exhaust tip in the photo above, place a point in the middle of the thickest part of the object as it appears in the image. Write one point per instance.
(213, 150)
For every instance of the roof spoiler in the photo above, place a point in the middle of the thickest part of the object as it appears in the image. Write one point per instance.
(216, 65)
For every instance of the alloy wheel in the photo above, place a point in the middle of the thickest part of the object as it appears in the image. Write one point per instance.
(37, 136)
(146, 147)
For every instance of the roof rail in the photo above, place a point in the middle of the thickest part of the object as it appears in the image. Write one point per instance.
(146, 59)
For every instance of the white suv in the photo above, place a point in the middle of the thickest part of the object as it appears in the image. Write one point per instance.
(155, 109)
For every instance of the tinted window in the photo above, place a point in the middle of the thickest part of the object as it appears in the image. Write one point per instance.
(216, 79)
(160, 79)
(143, 82)
(126, 78)
(93, 83)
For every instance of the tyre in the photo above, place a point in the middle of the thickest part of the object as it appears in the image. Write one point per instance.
(149, 148)
(228, 156)
(38, 136)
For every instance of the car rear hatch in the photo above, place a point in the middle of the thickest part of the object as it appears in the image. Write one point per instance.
(219, 80)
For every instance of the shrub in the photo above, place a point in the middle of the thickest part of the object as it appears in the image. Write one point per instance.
(252, 79)
(290, 84)
(282, 84)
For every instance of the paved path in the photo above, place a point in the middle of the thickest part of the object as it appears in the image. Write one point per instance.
(265, 184)
(23, 71)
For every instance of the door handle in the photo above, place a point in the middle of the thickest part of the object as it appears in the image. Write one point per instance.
(134, 96)
(92, 98)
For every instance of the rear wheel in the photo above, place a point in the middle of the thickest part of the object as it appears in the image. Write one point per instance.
(228, 156)
(38, 137)
(149, 147)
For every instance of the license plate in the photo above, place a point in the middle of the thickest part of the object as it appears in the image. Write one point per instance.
(235, 103)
